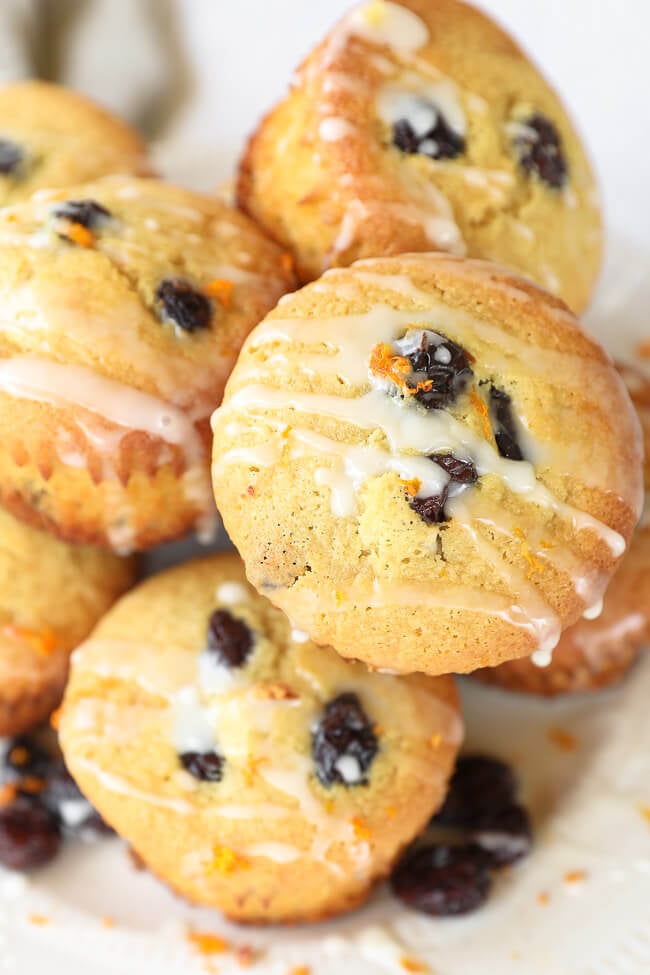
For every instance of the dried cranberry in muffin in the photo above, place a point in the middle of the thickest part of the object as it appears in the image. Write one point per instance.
(344, 744)
(438, 142)
(440, 371)
(205, 766)
(503, 422)
(87, 213)
(30, 833)
(539, 147)
(432, 509)
(180, 303)
(443, 881)
(229, 639)
(11, 157)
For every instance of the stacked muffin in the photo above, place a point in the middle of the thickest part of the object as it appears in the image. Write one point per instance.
(426, 464)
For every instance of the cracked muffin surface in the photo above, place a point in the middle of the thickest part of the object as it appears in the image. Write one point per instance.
(419, 126)
(124, 305)
(427, 463)
(251, 770)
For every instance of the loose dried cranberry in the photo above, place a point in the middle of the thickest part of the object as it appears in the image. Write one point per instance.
(442, 880)
(11, 156)
(432, 509)
(441, 371)
(540, 150)
(504, 835)
(206, 766)
(181, 304)
(503, 421)
(439, 142)
(344, 737)
(460, 471)
(480, 786)
(229, 639)
(30, 834)
(88, 213)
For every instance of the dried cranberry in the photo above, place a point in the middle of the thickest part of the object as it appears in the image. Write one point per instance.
(460, 471)
(480, 786)
(442, 880)
(503, 422)
(439, 142)
(504, 835)
(432, 509)
(206, 766)
(229, 639)
(344, 743)
(30, 833)
(441, 371)
(181, 304)
(540, 150)
(11, 157)
(88, 213)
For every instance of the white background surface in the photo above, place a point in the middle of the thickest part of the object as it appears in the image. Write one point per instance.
(586, 803)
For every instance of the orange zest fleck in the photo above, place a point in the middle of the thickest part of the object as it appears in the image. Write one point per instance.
(543, 898)
(562, 739)
(77, 233)
(274, 691)
(55, 719)
(329, 806)
(575, 876)
(252, 768)
(19, 755)
(339, 597)
(108, 922)
(361, 830)
(40, 641)
(285, 433)
(300, 970)
(8, 793)
(643, 350)
(206, 943)
(384, 363)
(224, 860)
(287, 262)
(644, 809)
(40, 920)
(436, 740)
(220, 289)
(413, 965)
(412, 486)
(32, 784)
(390, 812)
(481, 408)
(534, 565)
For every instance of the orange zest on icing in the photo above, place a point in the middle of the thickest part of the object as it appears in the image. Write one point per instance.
(562, 739)
(413, 965)
(224, 860)
(220, 289)
(206, 943)
(412, 486)
(481, 408)
(40, 641)
(361, 830)
(55, 719)
(252, 768)
(534, 565)
(77, 233)
(383, 362)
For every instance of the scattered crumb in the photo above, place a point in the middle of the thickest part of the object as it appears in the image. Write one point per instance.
(543, 898)
(515, 954)
(40, 920)
(413, 965)
(562, 739)
(575, 877)
(225, 860)
(361, 829)
(206, 943)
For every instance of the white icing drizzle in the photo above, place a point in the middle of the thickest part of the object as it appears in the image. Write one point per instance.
(231, 593)
(419, 100)
(594, 611)
(382, 22)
